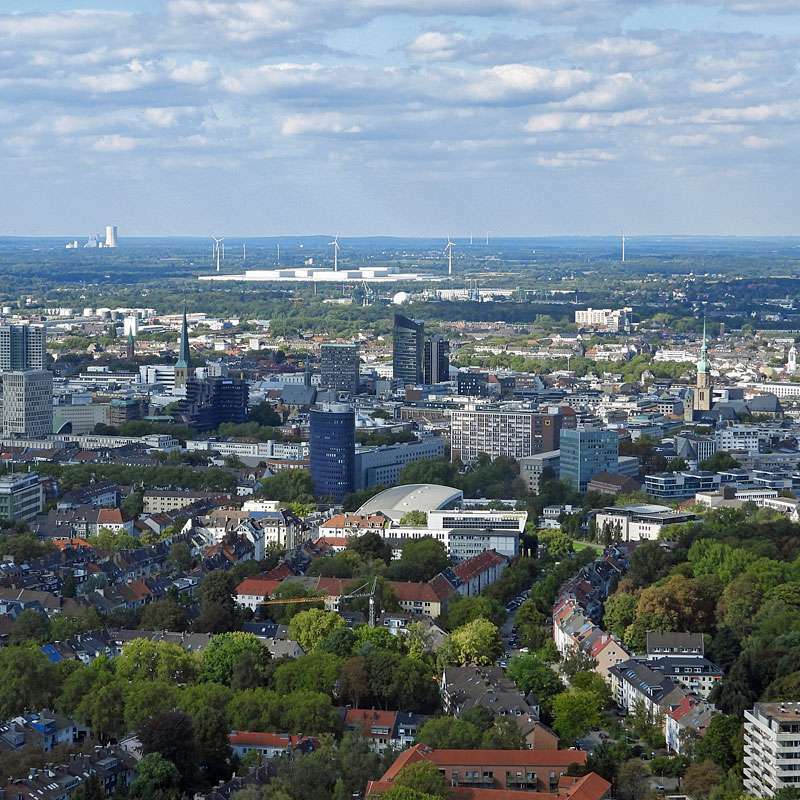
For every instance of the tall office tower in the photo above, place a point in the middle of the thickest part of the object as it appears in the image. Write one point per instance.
(704, 389)
(28, 403)
(21, 347)
(333, 447)
(212, 401)
(436, 365)
(585, 452)
(509, 432)
(408, 348)
(339, 365)
(111, 236)
(184, 362)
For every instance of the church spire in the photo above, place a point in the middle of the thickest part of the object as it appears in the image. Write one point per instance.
(184, 359)
(702, 362)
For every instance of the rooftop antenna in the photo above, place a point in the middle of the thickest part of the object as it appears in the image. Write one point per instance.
(218, 244)
(623, 248)
(335, 245)
(449, 250)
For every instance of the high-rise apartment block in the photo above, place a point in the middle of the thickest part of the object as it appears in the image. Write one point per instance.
(771, 748)
(333, 446)
(22, 347)
(611, 320)
(436, 360)
(28, 403)
(339, 367)
(408, 348)
(514, 433)
(585, 452)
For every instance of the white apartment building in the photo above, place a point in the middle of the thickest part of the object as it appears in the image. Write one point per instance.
(771, 748)
(744, 438)
(514, 433)
(606, 319)
(289, 451)
(478, 518)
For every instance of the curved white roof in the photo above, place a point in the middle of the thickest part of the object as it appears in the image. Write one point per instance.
(398, 500)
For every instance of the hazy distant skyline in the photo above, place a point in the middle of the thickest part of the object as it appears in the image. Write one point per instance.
(399, 117)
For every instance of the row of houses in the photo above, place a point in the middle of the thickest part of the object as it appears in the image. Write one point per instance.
(429, 599)
(670, 682)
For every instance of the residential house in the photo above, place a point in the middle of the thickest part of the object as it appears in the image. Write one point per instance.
(269, 745)
(687, 720)
(471, 686)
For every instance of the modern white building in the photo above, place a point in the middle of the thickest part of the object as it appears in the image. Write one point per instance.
(381, 466)
(771, 748)
(111, 236)
(638, 522)
(21, 496)
(604, 319)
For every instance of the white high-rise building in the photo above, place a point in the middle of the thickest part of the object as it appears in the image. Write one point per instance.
(791, 365)
(28, 403)
(771, 748)
(130, 326)
(111, 236)
(22, 347)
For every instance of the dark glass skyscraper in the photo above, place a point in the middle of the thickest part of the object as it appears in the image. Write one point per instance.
(436, 368)
(408, 348)
(333, 447)
(339, 367)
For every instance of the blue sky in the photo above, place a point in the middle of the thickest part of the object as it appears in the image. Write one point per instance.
(407, 117)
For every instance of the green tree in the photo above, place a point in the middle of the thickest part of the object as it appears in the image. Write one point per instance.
(225, 651)
(504, 734)
(619, 612)
(30, 627)
(633, 780)
(462, 609)
(575, 712)
(414, 519)
(531, 674)
(701, 778)
(532, 625)
(145, 699)
(217, 609)
(211, 745)
(719, 462)
(288, 486)
(27, 680)
(146, 660)
(316, 672)
(171, 735)
(310, 628)
(477, 642)
(156, 779)
(450, 733)
(422, 776)
(181, 556)
(421, 559)
(719, 743)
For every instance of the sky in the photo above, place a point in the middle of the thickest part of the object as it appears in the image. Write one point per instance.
(400, 117)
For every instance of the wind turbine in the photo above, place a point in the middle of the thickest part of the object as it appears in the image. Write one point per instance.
(449, 250)
(335, 245)
(217, 245)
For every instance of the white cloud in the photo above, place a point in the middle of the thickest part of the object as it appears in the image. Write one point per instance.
(436, 46)
(325, 123)
(114, 143)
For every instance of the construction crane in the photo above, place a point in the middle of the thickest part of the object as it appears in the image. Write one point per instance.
(366, 590)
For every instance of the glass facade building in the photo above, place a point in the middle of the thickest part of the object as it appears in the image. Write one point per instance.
(333, 447)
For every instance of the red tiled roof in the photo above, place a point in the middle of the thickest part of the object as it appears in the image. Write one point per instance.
(279, 572)
(511, 758)
(259, 587)
(333, 541)
(474, 566)
(109, 516)
(263, 739)
(367, 718)
(408, 592)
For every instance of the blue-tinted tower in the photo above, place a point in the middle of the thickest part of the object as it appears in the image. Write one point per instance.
(333, 448)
